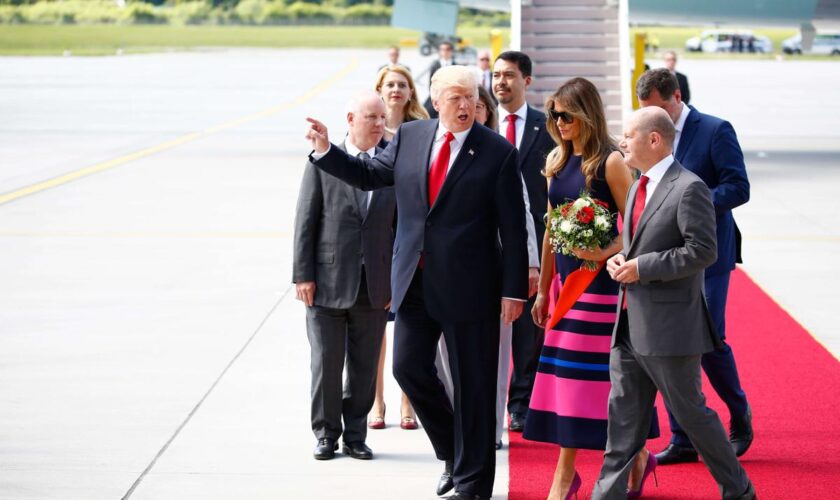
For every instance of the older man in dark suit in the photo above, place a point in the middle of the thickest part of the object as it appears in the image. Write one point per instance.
(708, 147)
(664, 324)
(342, 268)
(460, 259)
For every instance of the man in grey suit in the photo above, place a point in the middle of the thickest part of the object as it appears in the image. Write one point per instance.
(342, 270)
(664, 324)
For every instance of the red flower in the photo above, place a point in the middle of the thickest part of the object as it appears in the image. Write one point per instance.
(586, 214)
(603, 204)
(564, 210)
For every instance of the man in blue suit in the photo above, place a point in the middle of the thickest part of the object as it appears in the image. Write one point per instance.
(708, 146)
(460, 259)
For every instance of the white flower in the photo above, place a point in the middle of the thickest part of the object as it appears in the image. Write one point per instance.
(580, 203)
(602, 222)
(566, 226)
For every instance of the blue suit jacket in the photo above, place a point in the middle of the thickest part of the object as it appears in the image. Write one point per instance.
(466, 269)
(709, 147)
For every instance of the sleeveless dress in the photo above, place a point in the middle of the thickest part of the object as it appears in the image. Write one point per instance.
(569, 400)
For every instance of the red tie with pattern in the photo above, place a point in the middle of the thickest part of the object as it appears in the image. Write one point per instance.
(511, 129)
(639, 203)
(638, 208)
(437, 173)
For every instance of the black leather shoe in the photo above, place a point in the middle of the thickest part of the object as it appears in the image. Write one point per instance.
(741, 433)
(498, 445)
(325, 449)
(749, 494)
(517, 422)
(446, 483)
(358, 450)
(674, 454)
(465, 496)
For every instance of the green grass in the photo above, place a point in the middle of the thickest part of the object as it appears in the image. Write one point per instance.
(107, 39)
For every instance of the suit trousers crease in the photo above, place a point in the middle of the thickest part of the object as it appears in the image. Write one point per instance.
(526, 344)
(464, 433)
(344, 338)
(719, 365)
(635, 380)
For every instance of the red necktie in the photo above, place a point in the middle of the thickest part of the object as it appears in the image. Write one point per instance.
(639, 203)
(638, 208)
(511, 129)
(437, 173)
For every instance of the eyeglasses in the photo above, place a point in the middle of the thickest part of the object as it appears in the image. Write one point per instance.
(563, 116)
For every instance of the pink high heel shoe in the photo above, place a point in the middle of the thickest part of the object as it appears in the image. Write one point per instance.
(573, 489)
(650, 468)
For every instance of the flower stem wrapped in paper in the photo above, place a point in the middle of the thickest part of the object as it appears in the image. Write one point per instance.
(584, 223)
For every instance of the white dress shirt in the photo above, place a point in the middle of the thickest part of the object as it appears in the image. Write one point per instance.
(352, 150)
(454, 146)
(655, 175)
(680, 124)
(522, 114)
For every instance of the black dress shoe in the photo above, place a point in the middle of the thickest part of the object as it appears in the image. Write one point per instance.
(325, 449)
(446, 483)
(465, 496)
(674, 454)
(358, 450)
(498, 445)
(749, 494)
(741, 433)
(517, 422)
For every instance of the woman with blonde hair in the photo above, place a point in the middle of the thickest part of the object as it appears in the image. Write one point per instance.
(395, 85)
(569, 399)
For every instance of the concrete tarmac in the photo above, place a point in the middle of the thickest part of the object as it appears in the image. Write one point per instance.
(150, 343)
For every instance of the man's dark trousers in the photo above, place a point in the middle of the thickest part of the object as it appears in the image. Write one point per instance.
(473, 358)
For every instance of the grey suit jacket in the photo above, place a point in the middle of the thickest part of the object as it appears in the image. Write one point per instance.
(674, 242)
(332, 240)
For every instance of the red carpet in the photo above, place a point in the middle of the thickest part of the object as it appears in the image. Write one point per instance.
(793, 385)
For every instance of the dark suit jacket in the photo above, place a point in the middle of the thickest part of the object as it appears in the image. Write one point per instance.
(480, 206)
(332, 240)
(535, 146)
(684, 90)
(675, 240)
(709, 148)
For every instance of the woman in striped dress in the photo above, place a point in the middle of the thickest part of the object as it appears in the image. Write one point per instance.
(569, 399)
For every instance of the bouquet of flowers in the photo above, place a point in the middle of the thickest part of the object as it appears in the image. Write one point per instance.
(584, 223)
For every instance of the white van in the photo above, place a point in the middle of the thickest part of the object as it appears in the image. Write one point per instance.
(824, 44)
(729, 41)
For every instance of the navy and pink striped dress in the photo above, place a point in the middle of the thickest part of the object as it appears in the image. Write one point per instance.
(572, 385)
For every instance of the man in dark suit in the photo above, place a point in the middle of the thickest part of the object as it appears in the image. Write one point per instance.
(342, 267)
(445, 58)
(664, 325)
(524, 127)
(460, 259)
(682, 80)
(707, 146)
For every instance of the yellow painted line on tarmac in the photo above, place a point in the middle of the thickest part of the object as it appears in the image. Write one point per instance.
(145, 234)
(106, 165)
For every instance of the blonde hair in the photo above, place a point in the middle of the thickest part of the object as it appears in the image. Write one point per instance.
(413, 109)
(581, 99)
(453, 76)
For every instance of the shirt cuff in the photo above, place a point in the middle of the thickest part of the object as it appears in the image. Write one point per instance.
(513, 298)
(317, 156)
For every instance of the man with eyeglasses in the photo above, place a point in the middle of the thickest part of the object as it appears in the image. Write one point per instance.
(524, 127)
(708, 146)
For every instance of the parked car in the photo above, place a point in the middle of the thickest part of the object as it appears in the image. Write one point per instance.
(824, 44)
(729, 41)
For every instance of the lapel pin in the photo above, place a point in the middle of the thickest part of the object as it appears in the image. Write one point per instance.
(536, 128)
(471, 152)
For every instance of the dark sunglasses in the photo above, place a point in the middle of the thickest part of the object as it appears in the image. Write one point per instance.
(563, 116)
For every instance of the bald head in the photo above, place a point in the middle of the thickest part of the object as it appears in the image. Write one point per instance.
(648, 138)
(365, 119)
